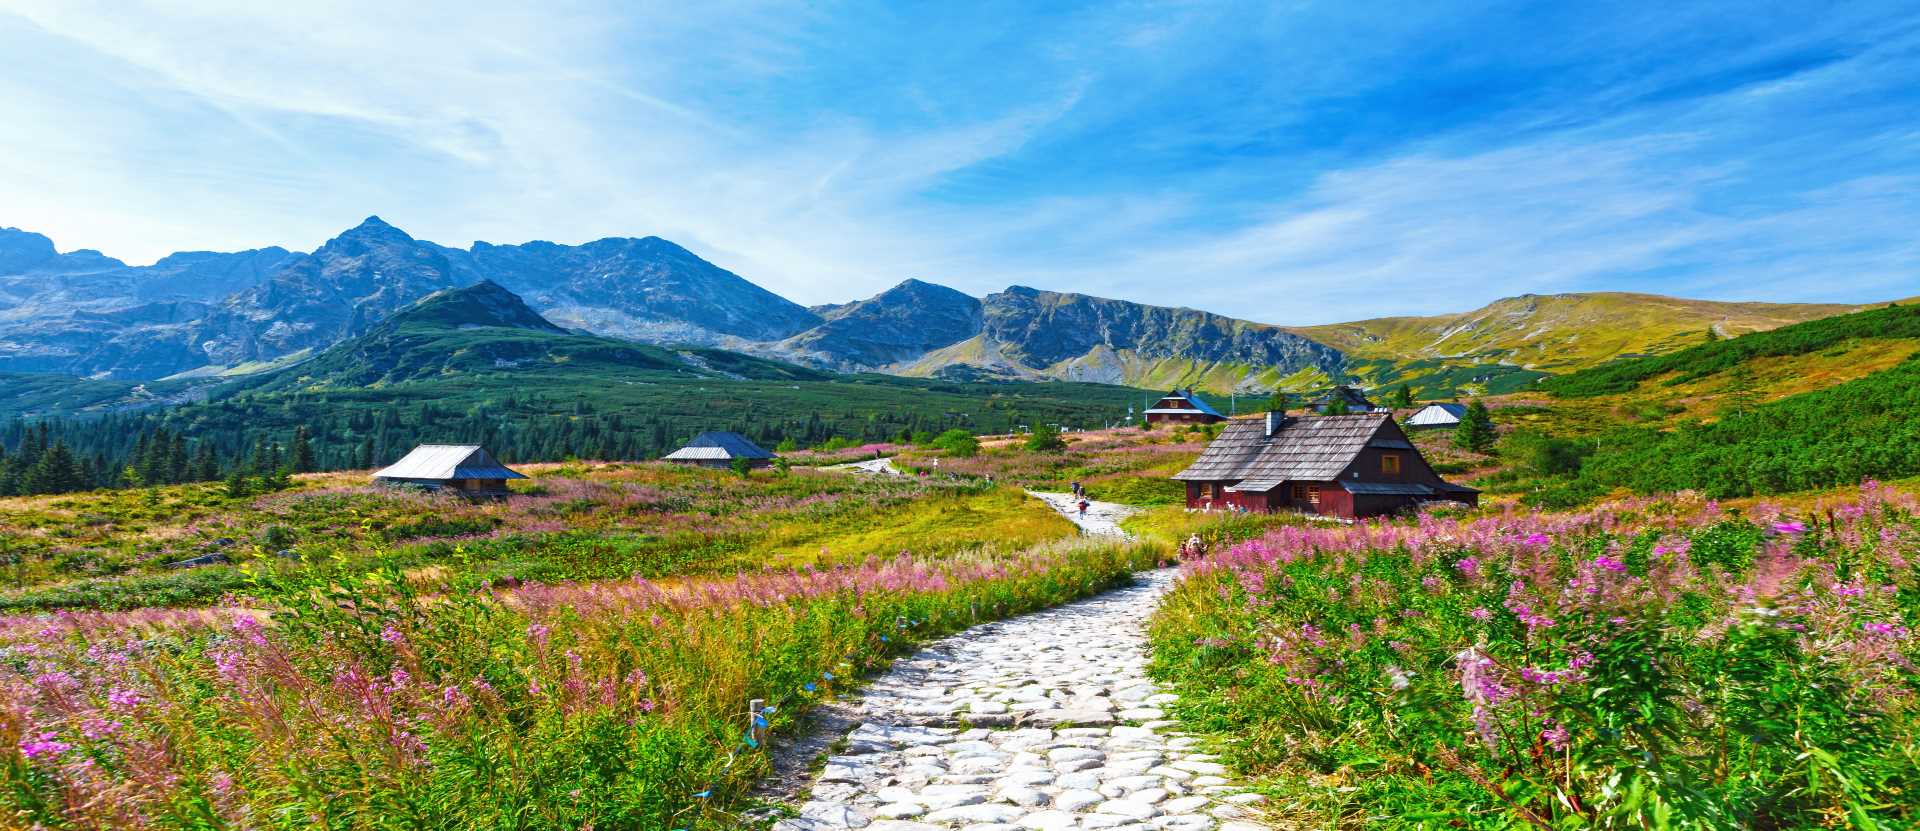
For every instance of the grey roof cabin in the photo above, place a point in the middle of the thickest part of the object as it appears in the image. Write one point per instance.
(1182, 407)
(1437, 415)
(466, 468)
(718, 449)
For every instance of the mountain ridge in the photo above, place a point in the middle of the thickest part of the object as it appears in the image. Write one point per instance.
(202, 313)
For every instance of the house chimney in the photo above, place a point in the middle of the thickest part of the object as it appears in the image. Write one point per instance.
(1274, 418)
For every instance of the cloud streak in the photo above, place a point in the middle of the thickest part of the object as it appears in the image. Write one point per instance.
(1296, 165)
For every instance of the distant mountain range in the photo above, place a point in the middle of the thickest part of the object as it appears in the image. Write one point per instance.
(193, 314)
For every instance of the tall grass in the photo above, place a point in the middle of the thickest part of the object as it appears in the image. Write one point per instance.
(1649, 664)
(372, 705)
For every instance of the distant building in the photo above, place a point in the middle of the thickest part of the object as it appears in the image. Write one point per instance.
(1342, 465)
(466, 468)
(718, 449)
(1356, 401)
(1182, 407)
(1437, 415)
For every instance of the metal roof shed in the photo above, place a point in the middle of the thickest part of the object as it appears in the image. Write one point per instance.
(467, 468)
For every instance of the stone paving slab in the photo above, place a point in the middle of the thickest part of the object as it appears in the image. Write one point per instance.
(1038, 723)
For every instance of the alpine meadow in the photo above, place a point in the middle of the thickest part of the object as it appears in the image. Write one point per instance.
(795, 417)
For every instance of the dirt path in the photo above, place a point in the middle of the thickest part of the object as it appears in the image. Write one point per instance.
(1101, 519)
(1040, 722)
(882, 466)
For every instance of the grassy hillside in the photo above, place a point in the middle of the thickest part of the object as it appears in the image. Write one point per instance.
(1817, 404)
(24, 394)
(1561, 332)
(1893, 322)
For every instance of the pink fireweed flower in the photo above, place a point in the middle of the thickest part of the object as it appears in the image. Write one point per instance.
(1480, 613)
(123, 699)
(1468, 566)
(1890, 630)
(249, 629)
(96, 729)
(1557, 737)
(391, 635)
(1789, 527)
(1610, 564)
(46, 744)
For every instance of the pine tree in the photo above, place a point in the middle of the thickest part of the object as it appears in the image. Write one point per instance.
(1475, 432)
(1045, 438)
(176, 459)
(1279, 402)
(302, 451)
(206, 468)
(55, 472)
(1336, 404)
(1403, 396)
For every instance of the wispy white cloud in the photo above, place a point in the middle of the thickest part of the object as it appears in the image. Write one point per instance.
(1293, 164)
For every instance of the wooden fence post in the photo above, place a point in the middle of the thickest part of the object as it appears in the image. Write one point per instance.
(755, 713)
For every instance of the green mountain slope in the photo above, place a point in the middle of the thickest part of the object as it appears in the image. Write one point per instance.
(484, 330)
(476, 365)
(1560, 332)
(1817, 404)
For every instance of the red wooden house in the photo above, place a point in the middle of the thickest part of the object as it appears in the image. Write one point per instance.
(1182, 407)
(1342, 465)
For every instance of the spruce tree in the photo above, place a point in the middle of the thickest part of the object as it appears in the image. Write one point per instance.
(1403, 396)
(56, 472)
(1475, 432)
(302, 451)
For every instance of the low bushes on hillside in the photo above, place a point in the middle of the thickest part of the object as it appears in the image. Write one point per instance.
(1867, 428)
(1706, 359)
(609, 705)
(1650, 665)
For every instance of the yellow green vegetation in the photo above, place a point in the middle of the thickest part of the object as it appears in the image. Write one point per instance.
(1668, 400)
(1561, 332)
(1174, 524)
(189, 544)
(942, 522)
(1126, 465)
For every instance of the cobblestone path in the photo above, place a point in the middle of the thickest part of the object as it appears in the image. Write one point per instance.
(1045, 721)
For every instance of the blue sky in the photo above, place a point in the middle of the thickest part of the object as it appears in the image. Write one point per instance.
(1294, 162)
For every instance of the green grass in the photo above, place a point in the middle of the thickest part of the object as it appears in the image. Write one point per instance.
(112, 549)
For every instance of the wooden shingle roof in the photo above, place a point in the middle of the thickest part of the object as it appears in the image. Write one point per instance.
(1313, 448)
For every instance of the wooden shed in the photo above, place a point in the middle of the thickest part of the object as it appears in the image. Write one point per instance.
(466, 468)
(1355, 400)
(718, 449)
(1342, 465)
(1182, 407)
(1437, 415)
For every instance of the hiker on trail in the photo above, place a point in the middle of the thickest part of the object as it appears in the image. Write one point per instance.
(1193, 547)
(1077, 492)
(1083, 509)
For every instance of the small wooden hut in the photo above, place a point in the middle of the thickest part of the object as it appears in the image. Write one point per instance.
(1437, 415)
(1355, 400)
(718, 449)
(467, 469)
(1182, 407)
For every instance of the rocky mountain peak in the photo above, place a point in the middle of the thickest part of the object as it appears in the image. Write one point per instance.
(21, 250)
